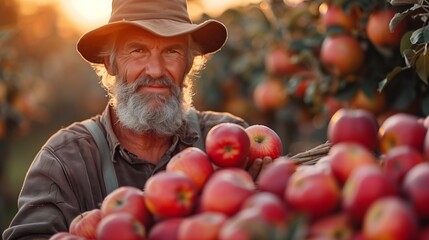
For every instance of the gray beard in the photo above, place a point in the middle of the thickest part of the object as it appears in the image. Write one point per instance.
(149, 113)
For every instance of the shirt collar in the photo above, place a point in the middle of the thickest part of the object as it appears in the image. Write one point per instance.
(186, 135)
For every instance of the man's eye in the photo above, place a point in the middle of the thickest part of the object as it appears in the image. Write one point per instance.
(137, 50)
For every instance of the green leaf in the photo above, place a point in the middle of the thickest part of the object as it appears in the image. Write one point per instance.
(396, 19)
(422, 66)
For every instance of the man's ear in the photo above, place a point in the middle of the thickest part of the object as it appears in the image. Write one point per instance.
(111, 70)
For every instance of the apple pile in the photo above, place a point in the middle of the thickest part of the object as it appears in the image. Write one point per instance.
(373, 183)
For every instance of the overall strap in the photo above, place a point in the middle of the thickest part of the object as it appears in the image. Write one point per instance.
(195, 124)
(109, 174)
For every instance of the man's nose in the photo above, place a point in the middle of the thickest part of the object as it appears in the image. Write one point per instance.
(155, 66)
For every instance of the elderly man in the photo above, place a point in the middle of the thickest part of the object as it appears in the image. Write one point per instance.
(145, 56)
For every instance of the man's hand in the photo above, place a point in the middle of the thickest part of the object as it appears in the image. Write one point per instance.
(258, 166)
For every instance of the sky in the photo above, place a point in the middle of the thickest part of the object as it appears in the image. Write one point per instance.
(87, 14)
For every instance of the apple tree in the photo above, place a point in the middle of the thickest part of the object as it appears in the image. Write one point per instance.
(292, 64)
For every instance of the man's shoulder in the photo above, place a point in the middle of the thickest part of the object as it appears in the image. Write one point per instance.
(73, 134)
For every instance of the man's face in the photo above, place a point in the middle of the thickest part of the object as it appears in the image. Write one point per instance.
(150, 74)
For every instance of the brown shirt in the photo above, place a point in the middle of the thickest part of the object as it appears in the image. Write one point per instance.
(65, 178)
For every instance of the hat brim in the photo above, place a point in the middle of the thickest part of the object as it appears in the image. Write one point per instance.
(210, 35)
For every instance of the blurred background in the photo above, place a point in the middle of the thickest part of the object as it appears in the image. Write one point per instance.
(277, 68)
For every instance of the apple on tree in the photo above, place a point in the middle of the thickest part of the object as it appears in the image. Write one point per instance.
(227, 145)
(264, 142)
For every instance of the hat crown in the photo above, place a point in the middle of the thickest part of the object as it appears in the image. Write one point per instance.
(135, 10)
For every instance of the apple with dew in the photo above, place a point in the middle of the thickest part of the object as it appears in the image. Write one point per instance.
(166, 229)
(402, 129)
(275, 176)
(194, 163)
(348, 156)
(66, 236)
(170, 194)
(227, 145)
(226, 190)
(264, 142)
(85, 224)
(390, 218)
(120, 225)
(363, 187)
(416, 190)
(315, 193)
(127, 199)
(334, 226)
(353, 125)
(399, 160)
(378, 30)
(341, 55)
(204, 225)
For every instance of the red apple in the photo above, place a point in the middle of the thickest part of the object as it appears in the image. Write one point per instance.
(402, 129)
(247, 225)
(423, 233)
(363, 187)
(348, 156)
(353, 125)
(415, 187)
(336, 16)
(66, 236)
(270, 94)
(85, 224)
(127, 199)
(313, 192)
(194, 163)
(278, 61)
(399, 160)
(166, 229)
(227, 145)
(390, 218)
(270, 207)
(275, 176)
(170, 194)
(334, 226)
(264, 142)
(341, 55)
(378, 30)
(374, 103)
(226, 190)
(204, 225)
(120, 225)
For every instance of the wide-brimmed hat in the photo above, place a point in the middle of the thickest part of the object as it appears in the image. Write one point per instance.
(165, 18)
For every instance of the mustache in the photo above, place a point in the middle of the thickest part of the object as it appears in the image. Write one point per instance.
(145, 81)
